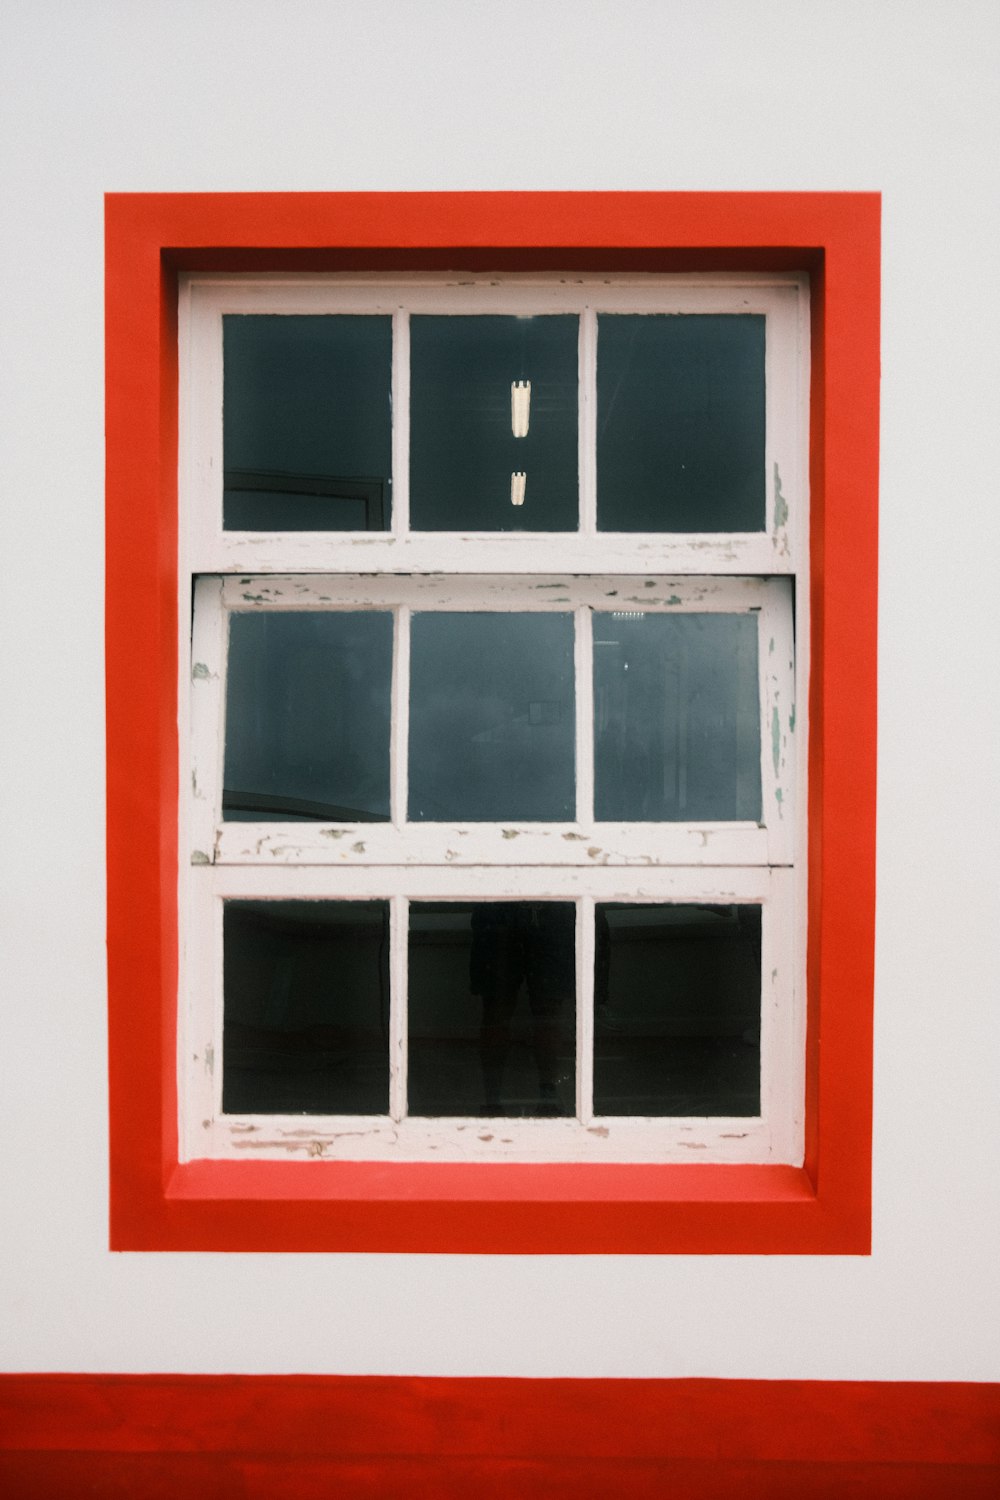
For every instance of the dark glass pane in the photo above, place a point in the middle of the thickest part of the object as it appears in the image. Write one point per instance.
(680, 423)
(463, 421)
(491, 717)
(307, 426)
(677, 1010)
(676, 718)
(492, 1008)
(306, 1011)
(307, 717)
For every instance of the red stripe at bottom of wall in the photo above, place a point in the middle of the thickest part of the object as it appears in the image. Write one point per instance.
(270, 1437)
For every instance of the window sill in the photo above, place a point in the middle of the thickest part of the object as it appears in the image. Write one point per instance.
(497, 1208)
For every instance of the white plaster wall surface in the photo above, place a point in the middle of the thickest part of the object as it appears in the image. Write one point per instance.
(382, 94)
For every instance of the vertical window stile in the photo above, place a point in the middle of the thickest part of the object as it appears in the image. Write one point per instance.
(209, 650)
(768, 779)
(399, 921)
(588, 422)
(683, 701)
(778, 716)
(749, 736)
(584, 669)
(585, 960)
(782, 1080)
(400, 423)
(215, 1066)
(400, 734)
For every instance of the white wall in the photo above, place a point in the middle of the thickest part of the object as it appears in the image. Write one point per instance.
(897, 95)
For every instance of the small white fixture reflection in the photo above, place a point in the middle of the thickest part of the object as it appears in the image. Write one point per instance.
(520, 407)
(517, 483)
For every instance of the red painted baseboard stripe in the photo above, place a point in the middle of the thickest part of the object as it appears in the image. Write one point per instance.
(560, 1421)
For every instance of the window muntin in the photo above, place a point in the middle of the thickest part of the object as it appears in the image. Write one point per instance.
(400, 862)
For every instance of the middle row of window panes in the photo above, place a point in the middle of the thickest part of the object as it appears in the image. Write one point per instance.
(493, 418)
(491, 717)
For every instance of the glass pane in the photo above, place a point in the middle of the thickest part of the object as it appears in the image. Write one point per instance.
(680, 423)
(306, 1011)
(491, 717)
(307, 426)
(676, 718)
(491, 398)
(492, 1008)
(307, 717)
(677, 1010)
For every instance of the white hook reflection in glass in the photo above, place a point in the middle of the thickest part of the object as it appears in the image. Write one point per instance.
(520, 407)
(517, 483)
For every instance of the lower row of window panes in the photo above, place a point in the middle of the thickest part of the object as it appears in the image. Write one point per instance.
(676, 728)
(491, 1009)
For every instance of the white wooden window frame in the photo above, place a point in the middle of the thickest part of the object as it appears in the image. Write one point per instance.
(583, 861)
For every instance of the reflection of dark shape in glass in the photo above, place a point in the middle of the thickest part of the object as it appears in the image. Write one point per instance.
(307, 716)
(265, 501)
(679, 1034)
(676, 718)
(492, 1008)
(491, 717)
(680, 422)
(306, 1009)
(463, 447)
(306, 422)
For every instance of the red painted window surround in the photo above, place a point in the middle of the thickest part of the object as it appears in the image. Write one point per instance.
(294, 1437)
(158, 1204)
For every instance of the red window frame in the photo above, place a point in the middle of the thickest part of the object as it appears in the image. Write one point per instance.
(158, 1203)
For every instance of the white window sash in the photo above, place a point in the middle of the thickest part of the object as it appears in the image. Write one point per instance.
(512, 842)
(583, 861)
(774, 1135)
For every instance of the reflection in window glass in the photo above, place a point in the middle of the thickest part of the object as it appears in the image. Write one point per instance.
(306, 423)
(492, 398)
(306, 1009)
(307, 716)
(677, 1010)
(676, 717)
(680, 422)
(491, 717)
(492, 1008)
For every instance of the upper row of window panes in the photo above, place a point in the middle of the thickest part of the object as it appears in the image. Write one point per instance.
(493, 422)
